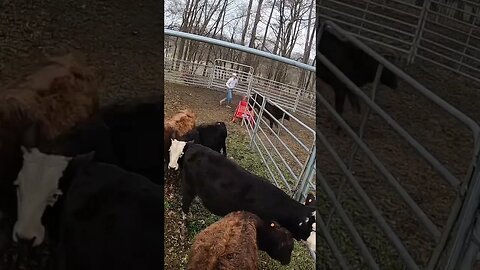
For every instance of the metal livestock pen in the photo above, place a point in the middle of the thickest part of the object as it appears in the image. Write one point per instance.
(445, 33)
(288, 154)
(455, 244)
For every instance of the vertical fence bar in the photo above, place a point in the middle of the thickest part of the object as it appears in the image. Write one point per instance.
(419, 32)
(302, 187)
(465, 49)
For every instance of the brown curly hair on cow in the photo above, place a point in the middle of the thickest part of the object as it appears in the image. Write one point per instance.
(61, 92)
(230, 243)
(177, 126)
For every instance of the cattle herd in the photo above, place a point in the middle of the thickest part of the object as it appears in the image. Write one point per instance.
(81, 186)
(257, 214)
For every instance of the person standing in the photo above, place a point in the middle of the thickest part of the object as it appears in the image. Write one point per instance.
(231, 84)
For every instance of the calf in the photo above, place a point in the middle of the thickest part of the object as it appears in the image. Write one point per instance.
(233, 242)
(213, 136)
(224, 187)
(357, 65)
(256, 101)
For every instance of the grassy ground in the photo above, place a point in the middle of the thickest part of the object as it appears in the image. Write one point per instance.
(207, 108)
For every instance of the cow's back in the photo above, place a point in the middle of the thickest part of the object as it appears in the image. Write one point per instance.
(136, 131)
(111, 219)
(224, 186)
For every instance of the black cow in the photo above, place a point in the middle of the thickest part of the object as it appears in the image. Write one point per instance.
(213, 136)
(110, 219)
(136, 130)
(272, 109)
(357, 65)
(224, 187)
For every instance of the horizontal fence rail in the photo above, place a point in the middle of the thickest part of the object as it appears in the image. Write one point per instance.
(461, 215)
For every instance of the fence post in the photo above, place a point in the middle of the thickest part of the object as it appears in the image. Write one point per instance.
(470, 256)
(419, 32)
(297, 100)
(465, 220)
(259, 119)
(249, 87)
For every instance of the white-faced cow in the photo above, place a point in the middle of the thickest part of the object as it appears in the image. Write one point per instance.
(108, 218)
(224, 187)
(212, 135)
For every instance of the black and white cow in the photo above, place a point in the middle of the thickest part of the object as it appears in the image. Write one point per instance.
(224, 187)
(113, 139)
(107, 218)
(213, 136)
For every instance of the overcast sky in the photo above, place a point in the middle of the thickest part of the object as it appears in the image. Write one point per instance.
(235, 9)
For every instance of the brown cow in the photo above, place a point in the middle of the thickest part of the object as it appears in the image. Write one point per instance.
(176, 127)
(232, 243)
(62, 92)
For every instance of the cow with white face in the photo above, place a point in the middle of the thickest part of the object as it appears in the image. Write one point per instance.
(37, 187)
(176, 151)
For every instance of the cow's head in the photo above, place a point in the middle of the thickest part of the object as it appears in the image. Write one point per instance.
(310, 200)
(277, 241)
(303, 227)
(38, 187)
(175, 153)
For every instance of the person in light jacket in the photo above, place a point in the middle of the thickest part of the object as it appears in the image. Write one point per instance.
(231, 84)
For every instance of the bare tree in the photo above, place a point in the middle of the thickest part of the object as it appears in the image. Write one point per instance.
(247, 20)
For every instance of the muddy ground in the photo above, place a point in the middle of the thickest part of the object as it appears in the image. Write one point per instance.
(204, 103)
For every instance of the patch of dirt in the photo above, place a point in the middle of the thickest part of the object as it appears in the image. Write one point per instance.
(205, 104)
(123, 42)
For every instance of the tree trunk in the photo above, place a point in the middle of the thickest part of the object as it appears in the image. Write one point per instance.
(245, 28)
(268, 25)
(251, 44)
